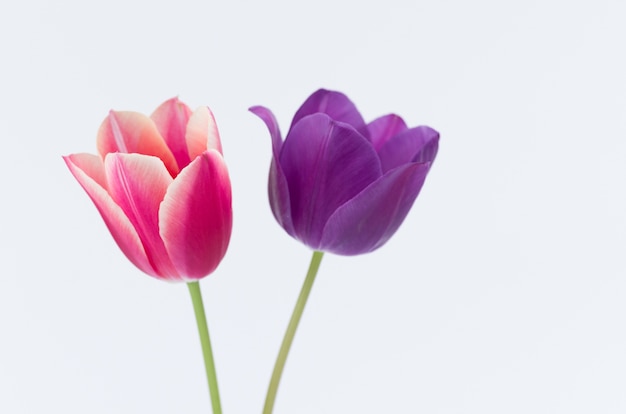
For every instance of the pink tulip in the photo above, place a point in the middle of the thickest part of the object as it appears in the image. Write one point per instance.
(162, 188)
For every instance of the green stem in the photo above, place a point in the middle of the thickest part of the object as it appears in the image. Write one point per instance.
(203, 330)
(291, 331)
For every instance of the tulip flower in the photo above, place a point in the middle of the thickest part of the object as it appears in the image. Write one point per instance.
(340, 185)
(161, 185)
(162, 188)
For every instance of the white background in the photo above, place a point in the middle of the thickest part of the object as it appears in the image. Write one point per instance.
(503, 292)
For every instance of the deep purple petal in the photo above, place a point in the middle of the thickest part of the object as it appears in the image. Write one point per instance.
(334, 104)
(367, 221)
(413, 145)
(277, 188)
(385, 127)
(326, 163)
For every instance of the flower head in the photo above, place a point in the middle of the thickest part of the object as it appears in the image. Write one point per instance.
(340, 185)
(161, 185)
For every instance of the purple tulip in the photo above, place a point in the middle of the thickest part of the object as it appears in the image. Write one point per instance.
(340, 185)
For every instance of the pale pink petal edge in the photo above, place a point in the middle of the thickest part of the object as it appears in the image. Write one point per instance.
(138, 183)
(116, 221)
(202, 133)
(133, 132)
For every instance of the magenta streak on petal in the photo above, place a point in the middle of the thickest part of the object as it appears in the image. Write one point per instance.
(176, 137)
(123, 183)
(171, 119)
(138, 184)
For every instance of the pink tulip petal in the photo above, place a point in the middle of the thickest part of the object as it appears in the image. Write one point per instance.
(138, 184)
(132, 132)
(383, 128)
(196, 216)
(278, 189)
(171, 119)
(88, 169)
(202, 133)
(367, 221)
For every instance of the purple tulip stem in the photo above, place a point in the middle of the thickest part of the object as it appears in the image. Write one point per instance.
(203, 330)
(291, 332)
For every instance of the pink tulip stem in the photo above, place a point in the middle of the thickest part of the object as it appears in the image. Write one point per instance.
(203, 330)
(291, 332)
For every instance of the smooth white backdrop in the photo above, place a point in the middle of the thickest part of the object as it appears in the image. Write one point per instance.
(503, 291)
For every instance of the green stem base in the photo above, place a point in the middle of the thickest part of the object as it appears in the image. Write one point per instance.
(205, 341)
(291, 332)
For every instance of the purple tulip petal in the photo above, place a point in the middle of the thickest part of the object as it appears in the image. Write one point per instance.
(171, 119)
(384, 128)
(138, 184)
(277, 188)
(368, 220)
(88, 169)
(429, 151)
(334, 104)
(195, 217)
(413, 145)
(326, 164)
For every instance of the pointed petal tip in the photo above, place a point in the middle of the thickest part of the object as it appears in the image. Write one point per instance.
(269, 119)
(334, 104)
(88, 170)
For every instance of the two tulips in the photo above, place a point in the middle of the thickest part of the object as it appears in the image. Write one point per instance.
(336, 183)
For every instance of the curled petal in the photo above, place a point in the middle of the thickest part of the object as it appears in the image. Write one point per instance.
(413, 145)
(88, 169)
(202, 133)
(196, 216)
(334, 104)
(366, 222)
(326, 163)
(270, 121)
(137, 183)
(132, 132)
(278, 189)
(385, 127)
(171, 119)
